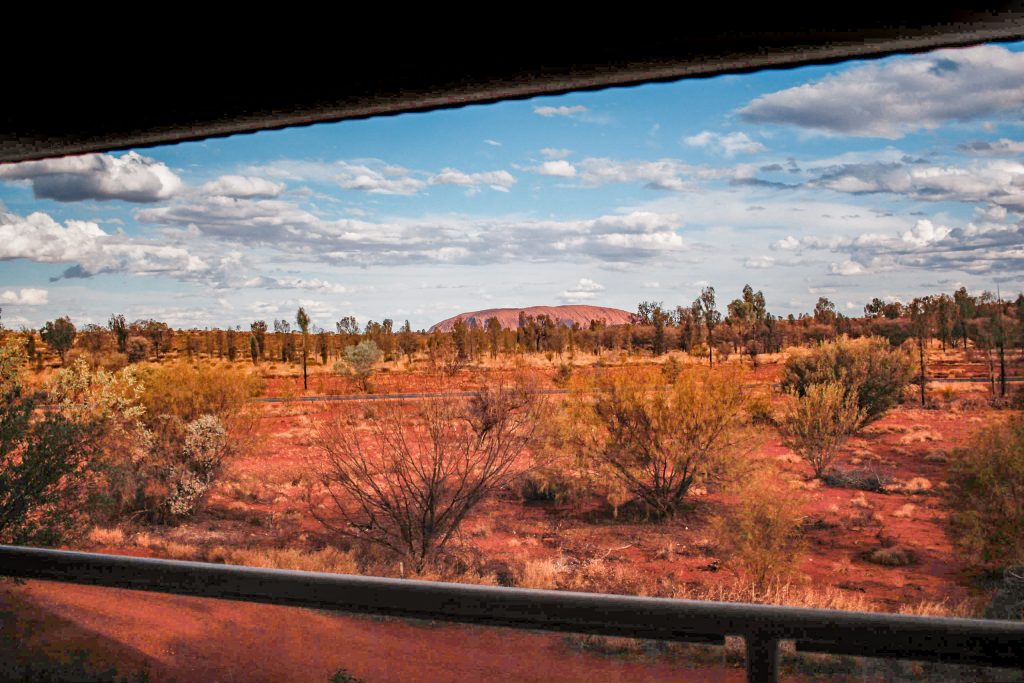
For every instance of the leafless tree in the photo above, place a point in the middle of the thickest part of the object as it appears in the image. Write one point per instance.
(405, 475)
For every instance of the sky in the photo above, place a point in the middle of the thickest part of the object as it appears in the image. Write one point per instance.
(888, 178)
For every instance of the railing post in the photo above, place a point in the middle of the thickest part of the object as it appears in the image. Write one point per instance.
(762, 658)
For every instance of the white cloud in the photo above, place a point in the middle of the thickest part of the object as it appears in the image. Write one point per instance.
(560, 111)
(730, 144)
(377, 178)
(650, 285)
(847, 267)
(584, 290)
(924, 233)
(559, 168)
(492, 143)
(555, 153)
(500, 181)
(663, 174)
(789, 243)
(891, 98)
(25, 297)
(243, 187)
(996, 181)
(130, 177)
(759, 262)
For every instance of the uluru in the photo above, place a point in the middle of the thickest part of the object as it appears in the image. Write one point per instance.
(564, 315)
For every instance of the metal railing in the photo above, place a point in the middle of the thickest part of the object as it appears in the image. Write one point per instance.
(893, 636)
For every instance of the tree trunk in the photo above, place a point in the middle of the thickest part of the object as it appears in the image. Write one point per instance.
(920, 348)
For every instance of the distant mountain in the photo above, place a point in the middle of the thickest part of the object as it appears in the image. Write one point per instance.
(566, 315)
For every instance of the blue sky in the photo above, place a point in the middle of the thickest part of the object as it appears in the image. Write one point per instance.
(889, 178)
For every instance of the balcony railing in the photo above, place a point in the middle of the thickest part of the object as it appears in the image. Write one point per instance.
(893, 636)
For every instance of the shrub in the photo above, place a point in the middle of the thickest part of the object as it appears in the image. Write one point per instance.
(1008, 599)
(359, 362)
(563, 375)
(866, 368)
(760, 534)
(656, 444)
(863, 479)
(137, 349)
(818, 423)
(986, 495)
(46, 460)
(189, 391)
(405, 477)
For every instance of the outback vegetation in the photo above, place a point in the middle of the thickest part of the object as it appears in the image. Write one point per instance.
(820, 460)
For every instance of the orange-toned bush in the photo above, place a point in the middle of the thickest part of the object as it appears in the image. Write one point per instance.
(656, 442)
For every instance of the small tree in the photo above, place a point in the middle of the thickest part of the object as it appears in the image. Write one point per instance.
(119, 327)
(405, 477)
(704, 307)
(657, 443)
(819, 422)
(986, 496)
(302, 320)
(360, 360)
(59, 335)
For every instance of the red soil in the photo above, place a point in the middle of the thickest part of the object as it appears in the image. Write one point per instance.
(195, 639)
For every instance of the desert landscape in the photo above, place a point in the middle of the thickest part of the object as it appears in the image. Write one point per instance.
(684, 453)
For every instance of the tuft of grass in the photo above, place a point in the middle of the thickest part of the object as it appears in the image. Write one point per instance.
(896, 556)
(113, 536)
(862, 479)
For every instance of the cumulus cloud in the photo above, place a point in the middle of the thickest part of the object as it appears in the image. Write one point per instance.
(38, 237)
(996, 181)
(559, 168)
(789, 243)
(377, 178)
(548, 112)
(555, 153)
(847, 267)
(729, 144)
(892, 98)
(243, 187)
(285, 227)
(500, 181)
(998, 147)
(130, 177)
(759, 262)
(584, 290)
(663, 174)
(25, 297)
(979, 248)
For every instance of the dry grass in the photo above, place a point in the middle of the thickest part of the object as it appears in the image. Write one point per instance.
(861, 501)
(102, 536)
(328, 560)
(905, 511)
(919, 436)
(543, 574)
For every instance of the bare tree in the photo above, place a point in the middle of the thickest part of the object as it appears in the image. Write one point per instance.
(405, 477)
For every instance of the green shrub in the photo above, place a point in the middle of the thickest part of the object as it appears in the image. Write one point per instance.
(867, 368)
(761, 534)
(818, 423)
(986, 495)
